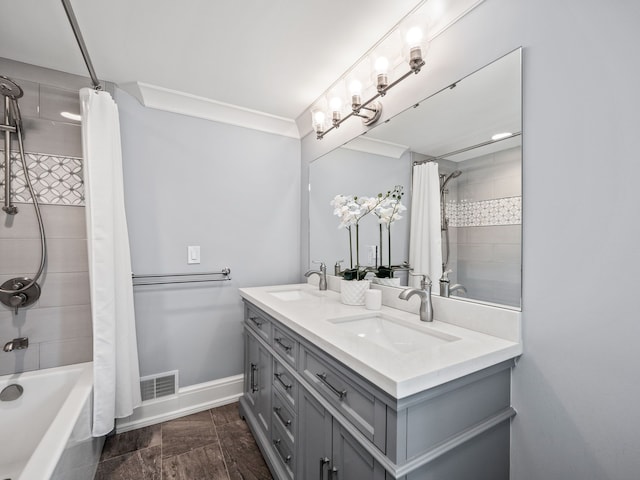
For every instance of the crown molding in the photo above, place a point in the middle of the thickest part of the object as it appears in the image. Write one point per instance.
(376, 147)
(174, 101)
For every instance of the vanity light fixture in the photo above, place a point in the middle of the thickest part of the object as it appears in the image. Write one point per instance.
(330, 112)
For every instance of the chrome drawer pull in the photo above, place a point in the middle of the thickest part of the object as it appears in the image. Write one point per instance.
(339, 393)
(257, 322)
(283, 345)
(287, 386)
(252, 378)
(286, 459)
(286, 423)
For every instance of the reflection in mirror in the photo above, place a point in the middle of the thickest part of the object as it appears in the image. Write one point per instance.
(442, 152)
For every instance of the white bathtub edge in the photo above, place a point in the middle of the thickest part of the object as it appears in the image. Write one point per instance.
(191, 399)
(45, 458)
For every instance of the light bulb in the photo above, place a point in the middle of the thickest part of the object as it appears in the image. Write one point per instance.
(355, 87)
(414, 36)
(335, 104)
(355, 90)
(318, 118)
(382, 65)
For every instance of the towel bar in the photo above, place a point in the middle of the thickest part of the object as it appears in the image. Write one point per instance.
(225, 272)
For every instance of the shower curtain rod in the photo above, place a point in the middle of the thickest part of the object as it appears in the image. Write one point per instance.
(466, 149)
(83, 48)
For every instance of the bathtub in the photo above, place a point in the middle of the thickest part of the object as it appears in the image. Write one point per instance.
(46, 433)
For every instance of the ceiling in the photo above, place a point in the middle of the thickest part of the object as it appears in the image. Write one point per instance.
(275, 57)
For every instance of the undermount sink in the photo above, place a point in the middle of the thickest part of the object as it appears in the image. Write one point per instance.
(392, 333)
(293, 294)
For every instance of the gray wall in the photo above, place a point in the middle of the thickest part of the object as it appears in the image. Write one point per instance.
(576, 384)
(351, 172)
(230, 190)
(59, 324)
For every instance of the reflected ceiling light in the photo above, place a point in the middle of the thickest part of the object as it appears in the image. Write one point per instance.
(500, 136)
(381, 61)
(71, 116)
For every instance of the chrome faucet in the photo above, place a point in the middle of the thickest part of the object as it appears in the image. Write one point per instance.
(322, 273)
(16, 344)
(446, 289)
(424, 292)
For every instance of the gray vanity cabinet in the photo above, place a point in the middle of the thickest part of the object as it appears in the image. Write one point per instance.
(257, 381)
(327, 450)
(314, 418)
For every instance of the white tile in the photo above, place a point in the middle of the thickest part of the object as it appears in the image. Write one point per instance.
(66, 352)
(55, 100)
(67, 255)
(46, 324)
(60, 221)
(62, 289)
(19, 360)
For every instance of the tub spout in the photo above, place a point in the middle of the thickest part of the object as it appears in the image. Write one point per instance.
(16, 344)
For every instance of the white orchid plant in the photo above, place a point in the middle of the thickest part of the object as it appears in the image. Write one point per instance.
(388, 212)
(351, 209)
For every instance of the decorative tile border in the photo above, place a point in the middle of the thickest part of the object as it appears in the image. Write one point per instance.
(499, 211)
(57, 180)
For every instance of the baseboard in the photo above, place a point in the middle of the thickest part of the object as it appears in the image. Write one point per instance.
(191, 399)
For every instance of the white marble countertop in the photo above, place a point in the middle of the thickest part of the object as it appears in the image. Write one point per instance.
(400, 374)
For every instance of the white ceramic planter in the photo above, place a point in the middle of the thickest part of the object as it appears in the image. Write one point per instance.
(352, 291)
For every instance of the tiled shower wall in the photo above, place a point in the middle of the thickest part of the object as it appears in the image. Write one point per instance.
(484, 208)
(59, 324)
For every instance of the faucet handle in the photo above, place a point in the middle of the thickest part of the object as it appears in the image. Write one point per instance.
(425, 281)
(445, 275)
(323, 266)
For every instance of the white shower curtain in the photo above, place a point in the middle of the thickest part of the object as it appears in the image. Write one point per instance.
(425, 243)
(115, 351)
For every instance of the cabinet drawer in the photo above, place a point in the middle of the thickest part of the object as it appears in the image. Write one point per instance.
(258, 322)
(283, 416)
(285, 345)
(361, 407)
(285, 383)
(283, 447)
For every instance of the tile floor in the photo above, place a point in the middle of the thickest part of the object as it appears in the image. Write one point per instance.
(214, 445)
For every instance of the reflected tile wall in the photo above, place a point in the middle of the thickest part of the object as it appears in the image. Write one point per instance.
(484, 208)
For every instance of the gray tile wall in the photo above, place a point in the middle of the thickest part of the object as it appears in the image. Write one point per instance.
(59, 323)
(487, 259)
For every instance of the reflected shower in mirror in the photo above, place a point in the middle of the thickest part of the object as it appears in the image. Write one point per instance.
(458, 156)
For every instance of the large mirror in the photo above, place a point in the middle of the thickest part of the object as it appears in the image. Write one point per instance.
(458, 157)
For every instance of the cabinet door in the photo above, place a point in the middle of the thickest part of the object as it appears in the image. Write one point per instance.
(258, 380)
(314, 439)
(350, 460)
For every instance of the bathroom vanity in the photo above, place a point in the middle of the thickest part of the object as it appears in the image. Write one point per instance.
(340, 392)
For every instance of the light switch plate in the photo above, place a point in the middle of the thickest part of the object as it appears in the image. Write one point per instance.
(193, 254)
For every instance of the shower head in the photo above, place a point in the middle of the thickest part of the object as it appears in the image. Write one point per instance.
(454, 174)
(9, 88)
